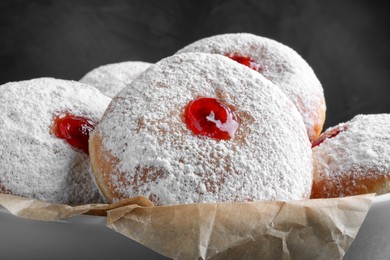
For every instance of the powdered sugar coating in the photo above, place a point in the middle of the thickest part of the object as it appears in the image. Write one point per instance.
(34, 162)
(278, 63)
(154, 154)
(112, 78)
(361, 152)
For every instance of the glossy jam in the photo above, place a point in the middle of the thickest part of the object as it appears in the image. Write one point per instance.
(75, 130)
(244, 60)
(208, 117)
(328, 135)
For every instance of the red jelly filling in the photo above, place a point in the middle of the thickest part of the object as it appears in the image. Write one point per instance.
(74, 129)
(327, 135)
(244, 60)
(208, 117)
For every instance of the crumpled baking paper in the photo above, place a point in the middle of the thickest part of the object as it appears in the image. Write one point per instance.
(309, 229)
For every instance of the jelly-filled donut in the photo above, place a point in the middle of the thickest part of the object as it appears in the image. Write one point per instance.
(353, 158)
(112, 78)
(201, 128)
(44, 131)
(279, 64)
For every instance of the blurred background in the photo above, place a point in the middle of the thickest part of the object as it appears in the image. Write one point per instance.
(346, 42)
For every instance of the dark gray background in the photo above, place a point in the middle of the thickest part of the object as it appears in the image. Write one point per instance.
(346, 42)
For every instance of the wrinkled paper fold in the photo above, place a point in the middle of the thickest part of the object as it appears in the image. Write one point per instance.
(39, 210)
(309, 229)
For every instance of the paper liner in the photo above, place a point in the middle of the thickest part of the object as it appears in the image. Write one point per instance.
(310, 229)
(39, 210)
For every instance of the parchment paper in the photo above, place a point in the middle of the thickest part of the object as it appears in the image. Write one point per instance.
(39, 210)
(310, 229)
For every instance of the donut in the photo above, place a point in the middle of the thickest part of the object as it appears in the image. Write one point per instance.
(353, 158)
(198, 128)
(112, 78)
(44, 131)
(279, 64)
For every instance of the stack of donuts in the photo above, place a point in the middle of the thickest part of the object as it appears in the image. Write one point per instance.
(233, 117)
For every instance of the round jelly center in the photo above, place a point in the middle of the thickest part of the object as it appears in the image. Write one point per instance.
(245, 60)
(328, 135)
(75, 130)
(209, 117)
